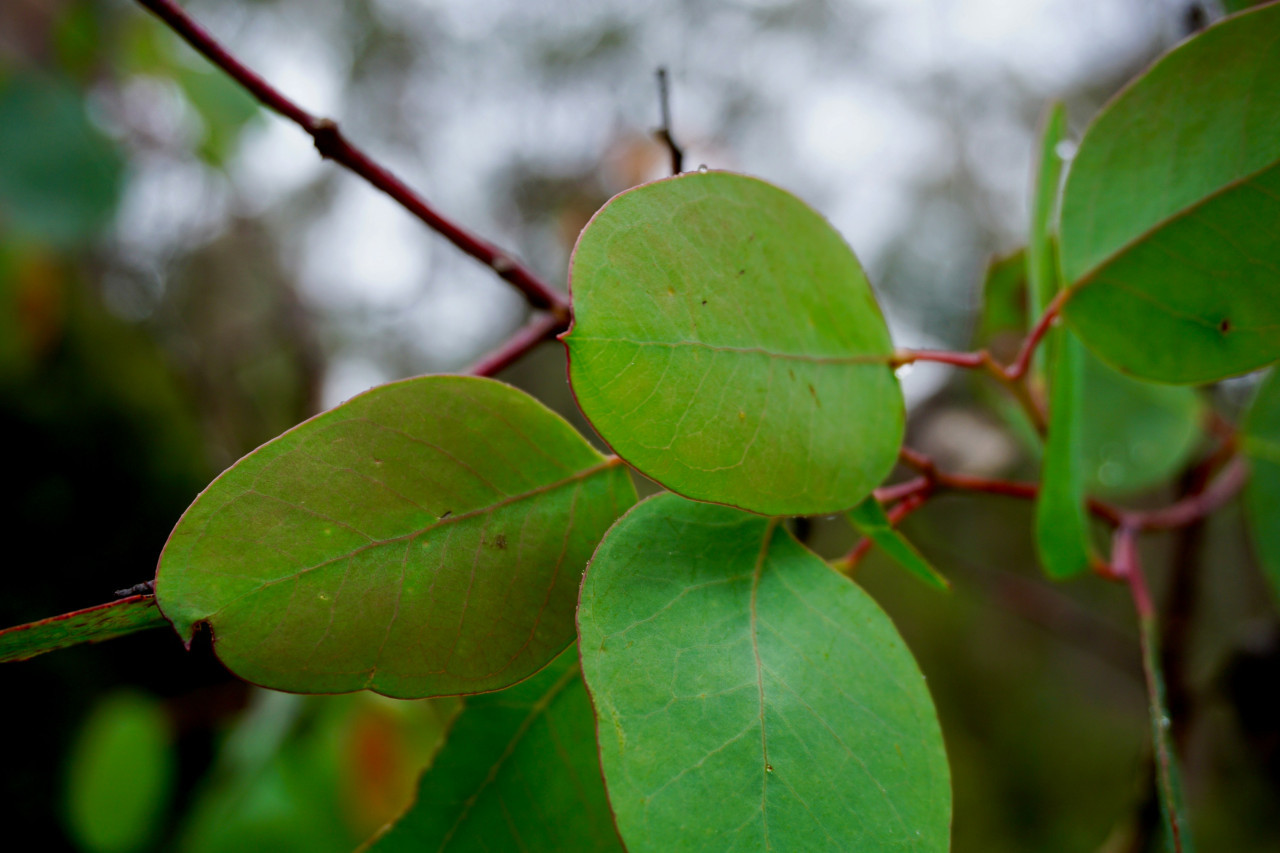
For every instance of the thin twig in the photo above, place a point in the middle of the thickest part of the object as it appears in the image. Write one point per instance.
(333, 145)
(1127, 564)
(518, 345)
(664, 132)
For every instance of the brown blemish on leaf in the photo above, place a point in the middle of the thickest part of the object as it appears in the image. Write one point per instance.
(815, 395)
(1224, 326)
(501, 542)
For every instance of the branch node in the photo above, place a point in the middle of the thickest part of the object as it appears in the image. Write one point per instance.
(327, 137)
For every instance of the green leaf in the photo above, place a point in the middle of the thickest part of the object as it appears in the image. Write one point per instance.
(91, 625)
(518, 772)
(1004, 303)
(424, 538)
(1170, 230)
(60, 177)
(870, 519)
(726, 343)
(1134, 435)
(120, 775)
(749, 697)
(1062, 521)
(1042, 263)
(1262, 492)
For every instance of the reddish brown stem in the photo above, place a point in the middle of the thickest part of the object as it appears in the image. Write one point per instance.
(1186, 511)
(333, 145)
(1022, 362)
(525, 339)
(1193, 507)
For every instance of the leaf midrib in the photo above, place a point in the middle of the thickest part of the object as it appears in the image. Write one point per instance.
(867, 358)
(1091, 274)
(609, 462)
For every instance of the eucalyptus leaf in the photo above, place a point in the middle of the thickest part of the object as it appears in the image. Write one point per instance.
(1062, 521)
(727, 344)
(91, 625)
(1262, 492)
(751, 698)
(870, 519)
(424, 538)
(518, 772)
(1170, 230)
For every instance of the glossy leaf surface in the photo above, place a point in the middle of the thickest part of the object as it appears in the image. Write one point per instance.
(872, 522)
(802, 721)
(1170, 228)
(91, 625)
(425, 538)
(519, 771)
(726, 343)
(1262, 491)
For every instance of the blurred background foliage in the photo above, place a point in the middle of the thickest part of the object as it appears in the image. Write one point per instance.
(181, 278)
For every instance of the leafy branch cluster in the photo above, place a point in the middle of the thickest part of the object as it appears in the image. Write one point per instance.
(429, 537)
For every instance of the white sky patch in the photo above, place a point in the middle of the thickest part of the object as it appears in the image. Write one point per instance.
(365, 252)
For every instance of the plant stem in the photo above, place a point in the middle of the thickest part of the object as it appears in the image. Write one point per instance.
(1127, 564)
(519, 344)
(333, 145)
(664, 132)
(1180, 514)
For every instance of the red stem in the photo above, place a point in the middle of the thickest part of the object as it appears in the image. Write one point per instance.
(1022, 363)
(1186, 511)
(333, 145)
(525, 339)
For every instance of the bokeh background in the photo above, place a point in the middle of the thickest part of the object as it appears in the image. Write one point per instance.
(182, 278)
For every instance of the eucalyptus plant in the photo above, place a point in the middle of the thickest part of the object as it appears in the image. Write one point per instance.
(683, 673)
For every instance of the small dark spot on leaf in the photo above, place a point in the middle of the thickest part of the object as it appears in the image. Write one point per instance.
(704, 302)
(1224, 326)
(447, 513)
(742, 272)
(815, 395)
(791, 373)
(752, 237)
(501, 542)
(377, 461)
(671, 291)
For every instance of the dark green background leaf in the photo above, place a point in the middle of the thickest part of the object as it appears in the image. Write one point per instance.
(749, 697)
(726, 343)
(60, 176)
(519, 772)
(424, 538)
(1171, 213)
(1262, 492)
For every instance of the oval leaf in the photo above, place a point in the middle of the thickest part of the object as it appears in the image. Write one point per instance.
(1171, 213)
(1262, 492)
(518, 772)
(726, 343)
(120, 775)
(749, 697)
(425, 538)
